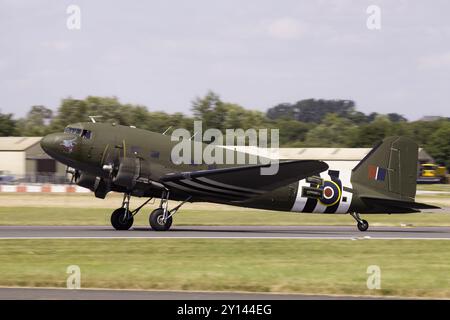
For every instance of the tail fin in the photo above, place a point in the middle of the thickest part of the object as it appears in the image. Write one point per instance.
(389, 170)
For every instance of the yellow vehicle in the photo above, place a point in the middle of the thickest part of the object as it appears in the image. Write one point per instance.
(431, 173)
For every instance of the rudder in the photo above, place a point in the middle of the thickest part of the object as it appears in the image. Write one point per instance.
(389, 170)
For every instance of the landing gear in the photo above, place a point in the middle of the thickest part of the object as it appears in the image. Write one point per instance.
(157, 222)
(161, 218)
(362, 225)
(122, 218)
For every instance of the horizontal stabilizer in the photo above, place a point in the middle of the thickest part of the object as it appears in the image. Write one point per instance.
(399, 204)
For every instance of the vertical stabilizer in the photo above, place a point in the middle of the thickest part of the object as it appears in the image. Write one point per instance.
(389, 170)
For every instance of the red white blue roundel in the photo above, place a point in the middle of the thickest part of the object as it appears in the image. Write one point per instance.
(331, 193)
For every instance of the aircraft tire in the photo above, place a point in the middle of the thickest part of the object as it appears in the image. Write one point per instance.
(363, 225)
(156, 222)
(118, 220)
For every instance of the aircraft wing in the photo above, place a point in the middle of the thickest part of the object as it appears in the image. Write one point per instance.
(242, 182)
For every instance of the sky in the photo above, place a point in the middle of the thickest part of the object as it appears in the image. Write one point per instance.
(257, 53)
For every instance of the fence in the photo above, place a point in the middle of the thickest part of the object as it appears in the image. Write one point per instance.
(45, 188)
(8, 179)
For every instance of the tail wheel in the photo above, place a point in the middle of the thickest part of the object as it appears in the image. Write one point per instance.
(157, 220)
(363, 225)
(120, 220)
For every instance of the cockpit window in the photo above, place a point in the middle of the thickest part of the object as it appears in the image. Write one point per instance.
(86, 134)
(76, 131)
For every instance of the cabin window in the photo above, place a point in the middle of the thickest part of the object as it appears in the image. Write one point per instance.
(86, 134)
(154, 154)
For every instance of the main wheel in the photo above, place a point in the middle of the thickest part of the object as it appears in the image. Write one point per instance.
(120, 221)
(363, 225)
(156, 220)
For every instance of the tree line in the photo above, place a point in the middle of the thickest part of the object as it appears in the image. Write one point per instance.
(306, 123)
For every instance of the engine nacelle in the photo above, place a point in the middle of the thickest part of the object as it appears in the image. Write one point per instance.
(127, 173)
(86, 180)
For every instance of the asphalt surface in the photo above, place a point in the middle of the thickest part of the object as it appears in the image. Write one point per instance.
(101, 294)
(225, 232)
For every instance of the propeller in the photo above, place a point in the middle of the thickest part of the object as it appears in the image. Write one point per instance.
(74, 174)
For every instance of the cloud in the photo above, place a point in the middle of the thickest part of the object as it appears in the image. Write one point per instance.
(435, 61)
(286, 29)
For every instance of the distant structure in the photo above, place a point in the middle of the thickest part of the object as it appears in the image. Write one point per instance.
(431, 118)
(345, 158)
(23, 158)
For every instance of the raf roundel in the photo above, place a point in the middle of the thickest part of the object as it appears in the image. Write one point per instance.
(331, 193)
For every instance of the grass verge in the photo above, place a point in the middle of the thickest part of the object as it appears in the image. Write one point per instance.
(101, 216)
(408, 268)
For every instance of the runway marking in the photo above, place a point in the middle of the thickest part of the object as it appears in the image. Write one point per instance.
(82, 293)
(225, 233)
(213, 292)
(219, 237)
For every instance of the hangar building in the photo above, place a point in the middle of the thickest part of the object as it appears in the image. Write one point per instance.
(345, 158)
(24, 159)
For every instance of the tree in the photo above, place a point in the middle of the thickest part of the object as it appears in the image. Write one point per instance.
(7, 125)
(214, 113)
(206, 110)
(439, 144)
(36, 121)
(395, 117)
(137, 116)
(357, 117)
(312, 122)
(333, 132)
(108, 108)
(369, 134)
(421, 131)
(312, 110)
(292, 132)
(161, 121)
(70, 111)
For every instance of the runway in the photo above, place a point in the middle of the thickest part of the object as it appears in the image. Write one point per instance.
(226, 232)
(105, 294)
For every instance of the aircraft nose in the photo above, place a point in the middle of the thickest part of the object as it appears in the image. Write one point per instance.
(58, 145)
(50, 142)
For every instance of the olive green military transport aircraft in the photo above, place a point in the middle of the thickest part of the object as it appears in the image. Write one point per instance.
(107, 157)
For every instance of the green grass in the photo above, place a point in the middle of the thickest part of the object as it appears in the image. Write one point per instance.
(96, 216)
(434, 187)
(408, 268)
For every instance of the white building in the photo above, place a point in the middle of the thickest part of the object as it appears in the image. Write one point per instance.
(23, 157)
(344, 158)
